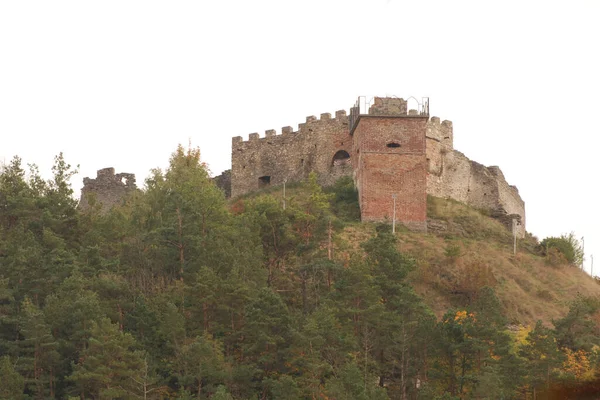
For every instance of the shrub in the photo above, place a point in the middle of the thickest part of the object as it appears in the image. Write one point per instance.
(555, 258)
(453, 252)
(567, 245)
(345, 200)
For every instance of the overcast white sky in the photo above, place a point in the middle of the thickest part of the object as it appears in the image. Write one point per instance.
(121, 83)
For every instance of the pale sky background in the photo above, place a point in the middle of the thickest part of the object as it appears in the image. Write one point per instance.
(121, 83)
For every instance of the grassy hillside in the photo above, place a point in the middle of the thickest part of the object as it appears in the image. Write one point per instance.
(476, 251)
(469, 250)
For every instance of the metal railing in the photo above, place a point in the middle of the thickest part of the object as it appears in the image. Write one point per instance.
(361, 107)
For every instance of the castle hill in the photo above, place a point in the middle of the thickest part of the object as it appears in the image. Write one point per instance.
(359, 256)
(394, 155)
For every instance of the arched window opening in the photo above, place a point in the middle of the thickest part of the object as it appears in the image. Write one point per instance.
(393, 145)
(264, 181)
(341, 158)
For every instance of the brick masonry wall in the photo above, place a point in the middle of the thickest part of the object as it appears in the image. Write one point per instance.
(378, 171)
(383, 171)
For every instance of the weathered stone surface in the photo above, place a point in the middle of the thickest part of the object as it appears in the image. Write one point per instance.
(292, 155)
(223, 182)
(108, 189)
(437, 226)
(421, 160)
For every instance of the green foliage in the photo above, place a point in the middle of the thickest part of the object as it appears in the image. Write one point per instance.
(12, 383)
(345, 200)
(453, 252)
(172, 294)
(567, 245)
(221, 394)
(578, 330)
(109, 367)
(350, 384)
(542, 355)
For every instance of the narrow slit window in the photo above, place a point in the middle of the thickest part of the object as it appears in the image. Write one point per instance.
(393, 145)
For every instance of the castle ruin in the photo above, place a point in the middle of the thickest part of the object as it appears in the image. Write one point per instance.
(395, 156)
(107, 190)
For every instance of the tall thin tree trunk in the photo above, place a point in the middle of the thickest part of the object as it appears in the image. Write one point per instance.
(329, 245)
(329, 255)
(120, 317)
(180, 235)
(403, 363)
(51, 382)
(205, 316)
(304, 298)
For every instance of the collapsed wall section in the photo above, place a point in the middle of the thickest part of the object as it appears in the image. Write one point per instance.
(452, 175)
(107, 190)
(321, 145)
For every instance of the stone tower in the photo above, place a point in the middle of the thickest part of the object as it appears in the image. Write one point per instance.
(390, 164)
(108, 189)
(391, 153)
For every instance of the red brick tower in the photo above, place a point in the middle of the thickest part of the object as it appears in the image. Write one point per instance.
(389, 150)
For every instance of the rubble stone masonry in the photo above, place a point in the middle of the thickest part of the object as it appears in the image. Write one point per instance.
(322, 145)
(391, 151)
(108, 189)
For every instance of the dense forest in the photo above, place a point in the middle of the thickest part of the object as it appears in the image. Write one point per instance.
(180, 294)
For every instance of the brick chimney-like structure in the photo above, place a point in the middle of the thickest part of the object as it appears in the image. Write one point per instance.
(390, 161)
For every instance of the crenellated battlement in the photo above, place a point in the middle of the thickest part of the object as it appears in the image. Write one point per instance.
(311, 122)
(388, 134)
(440, 132)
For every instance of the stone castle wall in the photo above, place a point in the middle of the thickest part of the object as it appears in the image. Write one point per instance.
(325, 146)
(453, 175)
(423, 162)
(321, 145)
(108, 189)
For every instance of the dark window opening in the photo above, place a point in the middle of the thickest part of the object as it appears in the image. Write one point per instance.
(264, 181)
(341, 157)
(393, 145)
(302, 161)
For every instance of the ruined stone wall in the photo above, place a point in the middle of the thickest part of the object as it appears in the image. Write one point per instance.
(223, 182)
(391, 162)
(453, 175)
(439, 141)
(386, 106)
(321, 145)
(325, 146)
(108, 189)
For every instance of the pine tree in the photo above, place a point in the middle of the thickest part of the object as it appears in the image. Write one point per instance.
(12, 383)
(109, 367)
(39, 357)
